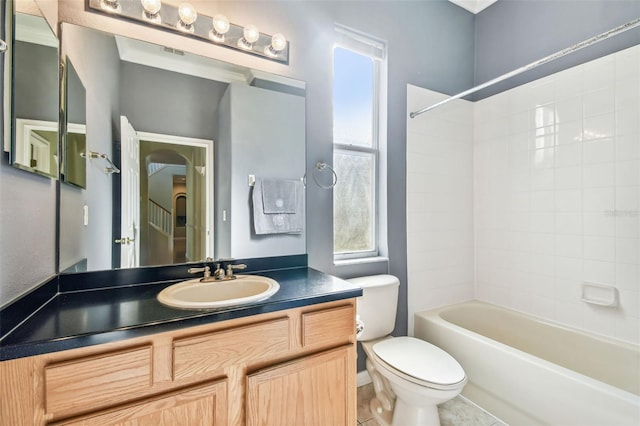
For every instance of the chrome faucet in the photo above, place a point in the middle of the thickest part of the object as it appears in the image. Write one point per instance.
(219, 273)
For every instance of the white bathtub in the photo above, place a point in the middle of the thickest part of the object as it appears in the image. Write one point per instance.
(527, 371)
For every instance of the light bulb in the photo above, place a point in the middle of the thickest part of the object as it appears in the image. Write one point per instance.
(251, 33)
(278, 43)
(250, 36)
(220, 27)
(151, 6)
(221, 24)
(188, 16)
(151, 9)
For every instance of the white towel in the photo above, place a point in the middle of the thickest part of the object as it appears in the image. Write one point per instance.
(279, 196)
(278, 223)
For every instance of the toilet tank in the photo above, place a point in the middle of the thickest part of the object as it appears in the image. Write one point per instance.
(377, 306)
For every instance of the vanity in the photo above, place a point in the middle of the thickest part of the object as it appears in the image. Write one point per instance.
(118, 356)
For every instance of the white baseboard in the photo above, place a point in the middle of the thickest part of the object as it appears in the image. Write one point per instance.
(363, 378)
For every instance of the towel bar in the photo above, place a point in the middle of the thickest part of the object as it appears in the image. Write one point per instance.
(321, 165)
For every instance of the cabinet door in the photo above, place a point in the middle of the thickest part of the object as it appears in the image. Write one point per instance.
(88, 383)
(203, 406)
(314, 390)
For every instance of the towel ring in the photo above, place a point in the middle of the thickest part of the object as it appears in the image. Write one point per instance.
(320, 166)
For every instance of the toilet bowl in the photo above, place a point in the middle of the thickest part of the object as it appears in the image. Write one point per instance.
(419, 374)
(410, 376)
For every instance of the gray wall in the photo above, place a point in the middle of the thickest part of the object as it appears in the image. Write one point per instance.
(222, 179)
(94, 56)
(513, 33)
(35, 88)
(76, 97)
(166, 102)
(267, 140)
(27, 231)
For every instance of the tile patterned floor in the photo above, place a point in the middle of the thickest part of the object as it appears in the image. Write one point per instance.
(457, 412)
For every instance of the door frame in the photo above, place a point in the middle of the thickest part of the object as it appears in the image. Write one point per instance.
(208, 145)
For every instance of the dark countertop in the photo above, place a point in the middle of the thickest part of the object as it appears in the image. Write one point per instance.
(76, 319)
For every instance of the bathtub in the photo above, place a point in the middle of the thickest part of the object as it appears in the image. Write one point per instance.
(527, 371)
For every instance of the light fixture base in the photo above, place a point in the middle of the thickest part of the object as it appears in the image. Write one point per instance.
(216, 36)
(110, 6)
(154, 18)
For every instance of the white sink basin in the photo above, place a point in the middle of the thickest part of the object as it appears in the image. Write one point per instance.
(194, 294)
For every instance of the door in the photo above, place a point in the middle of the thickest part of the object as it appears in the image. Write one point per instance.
(130, 196)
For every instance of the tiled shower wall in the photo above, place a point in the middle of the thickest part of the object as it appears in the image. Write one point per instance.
(557, 190)
(439, 203)
(550, 200)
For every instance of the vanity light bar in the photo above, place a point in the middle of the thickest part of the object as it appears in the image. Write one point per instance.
(185, 20)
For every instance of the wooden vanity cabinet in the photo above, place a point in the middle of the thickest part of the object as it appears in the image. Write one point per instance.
(291, 367)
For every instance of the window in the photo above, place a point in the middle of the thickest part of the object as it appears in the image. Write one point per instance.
(357, 61)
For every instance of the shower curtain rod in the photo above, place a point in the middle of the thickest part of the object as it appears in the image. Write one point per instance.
(593, 40)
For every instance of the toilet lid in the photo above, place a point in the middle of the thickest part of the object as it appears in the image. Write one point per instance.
(420, 359)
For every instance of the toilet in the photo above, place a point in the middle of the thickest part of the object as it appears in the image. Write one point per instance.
(410, 376)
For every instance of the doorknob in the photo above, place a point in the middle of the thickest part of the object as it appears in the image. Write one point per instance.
(124, 240)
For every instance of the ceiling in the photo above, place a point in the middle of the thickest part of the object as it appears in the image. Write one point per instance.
(474, 6)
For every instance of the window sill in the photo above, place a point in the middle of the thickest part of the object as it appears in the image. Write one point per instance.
(360, 261)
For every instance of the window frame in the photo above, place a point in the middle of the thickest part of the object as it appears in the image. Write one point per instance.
(374, 49)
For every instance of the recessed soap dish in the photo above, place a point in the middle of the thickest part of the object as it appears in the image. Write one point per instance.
(599, 294)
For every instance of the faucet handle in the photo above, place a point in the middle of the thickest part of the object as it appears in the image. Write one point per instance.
(231, 267)
(205, 269)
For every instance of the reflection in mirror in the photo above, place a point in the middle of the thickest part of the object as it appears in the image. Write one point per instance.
(36, 147)
(6, 28)
(169, 166)
(185, 132)
(35, 96)
(74, 166)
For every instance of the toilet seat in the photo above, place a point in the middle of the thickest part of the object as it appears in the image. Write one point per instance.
(420, 362)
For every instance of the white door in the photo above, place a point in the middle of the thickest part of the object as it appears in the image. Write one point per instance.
(130, 196)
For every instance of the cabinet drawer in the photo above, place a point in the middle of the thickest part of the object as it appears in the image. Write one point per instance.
(212, 352)
(200, 405)
(328, 326)
(89, 382)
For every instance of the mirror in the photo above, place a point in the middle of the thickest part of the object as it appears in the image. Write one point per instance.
(6, 28)
(171, 140)
(74, 146)
(35, 96)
